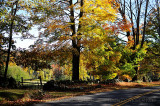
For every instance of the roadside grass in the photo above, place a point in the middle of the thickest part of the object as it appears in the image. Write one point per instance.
(11, 94)
(29, 96)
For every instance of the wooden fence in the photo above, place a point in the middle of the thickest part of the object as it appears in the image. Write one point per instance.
(32, 83)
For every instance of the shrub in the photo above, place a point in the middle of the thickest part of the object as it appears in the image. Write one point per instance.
(17, 72)
(8, 82)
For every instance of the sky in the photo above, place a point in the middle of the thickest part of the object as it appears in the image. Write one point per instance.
(25, 43)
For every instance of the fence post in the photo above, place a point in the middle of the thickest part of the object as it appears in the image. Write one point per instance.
(22, 80)
(40, 81)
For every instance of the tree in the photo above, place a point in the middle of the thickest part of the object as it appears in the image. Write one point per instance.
(151, 61)
(3, 39)
(75, 25)
(132, 13)
(37, 58)
(13, 13)
(153, 23)
(13, 22)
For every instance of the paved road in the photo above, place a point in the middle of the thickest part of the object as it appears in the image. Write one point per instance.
(149, 96)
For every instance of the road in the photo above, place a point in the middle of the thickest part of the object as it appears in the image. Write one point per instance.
(149, 96)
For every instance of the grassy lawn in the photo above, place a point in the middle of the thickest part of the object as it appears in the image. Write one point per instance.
(25, 97)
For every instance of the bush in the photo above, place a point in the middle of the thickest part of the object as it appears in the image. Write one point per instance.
(8, 82)
(50, 85)
(17, 72)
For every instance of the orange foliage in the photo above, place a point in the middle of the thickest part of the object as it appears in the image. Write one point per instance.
(125, 25)
(126, 77)
(130, 42)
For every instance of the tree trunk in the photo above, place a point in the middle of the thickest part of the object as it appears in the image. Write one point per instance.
(133, 29)
(76, 49)
(75, 43)
(138, 23)
(135, 78)
(75, 64)
(139, 4)
(144, 26)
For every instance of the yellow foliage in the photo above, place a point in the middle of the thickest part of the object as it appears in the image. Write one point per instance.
(12, 64)
(68, 69)
(25, 69)
(83, 71)
(100, 10)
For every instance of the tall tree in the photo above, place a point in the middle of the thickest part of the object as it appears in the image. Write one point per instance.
(13, 14)
(3, 39)
(151, 62)
(14, 23)
(73, 23)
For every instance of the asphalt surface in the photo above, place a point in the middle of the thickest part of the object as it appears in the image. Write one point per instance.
(149, 96)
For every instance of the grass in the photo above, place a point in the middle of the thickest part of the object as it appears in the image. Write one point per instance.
(28, 96)
(33, 82)
(11, 94)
